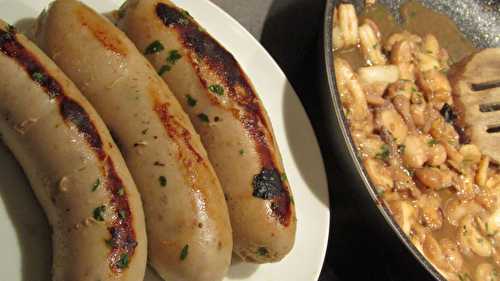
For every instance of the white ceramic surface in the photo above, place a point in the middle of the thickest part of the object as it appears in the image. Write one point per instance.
(24, 233)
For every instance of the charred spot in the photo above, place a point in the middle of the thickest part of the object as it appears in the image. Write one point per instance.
(172, 16)
(268, 185)
(73, 112)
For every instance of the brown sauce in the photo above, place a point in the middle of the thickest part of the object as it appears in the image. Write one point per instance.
(445, 30)
(458, 47)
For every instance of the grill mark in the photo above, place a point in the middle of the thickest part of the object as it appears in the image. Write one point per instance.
(174, 129)
(239, 90)
(73, 112)
(121, 230)
(123, 239)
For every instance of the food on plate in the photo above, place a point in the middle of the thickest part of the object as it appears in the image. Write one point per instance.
(442, 188)
(229, 116)
(188, 225)
(73, 165)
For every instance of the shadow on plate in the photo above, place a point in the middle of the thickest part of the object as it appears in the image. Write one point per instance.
(28, 219)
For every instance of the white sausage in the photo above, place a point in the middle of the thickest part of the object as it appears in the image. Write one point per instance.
(187, 220)
(73, 165)
(230, 119)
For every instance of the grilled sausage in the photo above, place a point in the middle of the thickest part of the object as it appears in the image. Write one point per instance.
(230, 119)
(73, 165)
(186, 216)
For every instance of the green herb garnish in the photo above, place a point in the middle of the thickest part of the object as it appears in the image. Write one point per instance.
(384, 153)
(99, 212)
(154, 47)
(162, 180)
(432, 142)
(96, 185)
(123, 261)
(216, 89)
(110, 243)
(262, 251)
(191, 101)
(121, 191)
(122, 214)
(242, 151)
(203, 117)
(184, 252)
(173, 57)
(186, 13)
(165, 68)
(38, 77)
(284, 177)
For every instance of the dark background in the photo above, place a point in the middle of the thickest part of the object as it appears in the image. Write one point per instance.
(291, 31)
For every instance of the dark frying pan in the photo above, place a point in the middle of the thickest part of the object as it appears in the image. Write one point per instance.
(479, 20)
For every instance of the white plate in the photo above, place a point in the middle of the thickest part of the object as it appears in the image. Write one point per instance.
(25, 236)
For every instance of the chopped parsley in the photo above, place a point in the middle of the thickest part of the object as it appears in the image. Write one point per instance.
(38, 77)
(154, 47)
(262, 251)
(165, 68)
(384, 153)
(401, 148)
(242, 151)
(432, 142)
(203, 117)
(191, 101)
(173, 57)
(162, 180)
(123, 261)
(96, 184)
(110, 243)
(186, 14)
(99, 212)
(216, 89)
(121, 191)
(122, 214)
(184, 252)
(284, 177)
